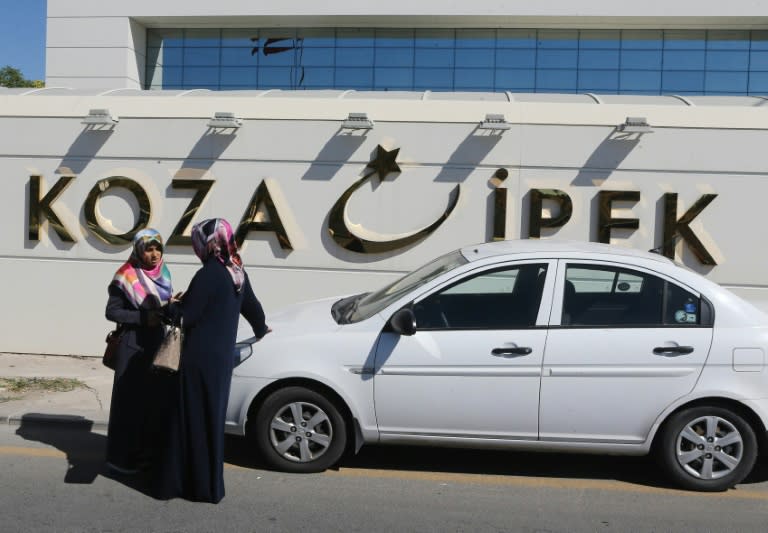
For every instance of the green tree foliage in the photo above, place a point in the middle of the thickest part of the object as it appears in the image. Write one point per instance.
(12, 77)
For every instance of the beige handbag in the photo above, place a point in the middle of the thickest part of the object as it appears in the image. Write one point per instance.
(169, 353)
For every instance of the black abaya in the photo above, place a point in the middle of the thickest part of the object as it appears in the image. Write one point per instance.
(193, 467)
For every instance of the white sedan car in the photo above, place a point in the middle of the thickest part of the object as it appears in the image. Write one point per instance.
(525, 345)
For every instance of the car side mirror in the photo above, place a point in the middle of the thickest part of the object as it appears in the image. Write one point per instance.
(403, 322)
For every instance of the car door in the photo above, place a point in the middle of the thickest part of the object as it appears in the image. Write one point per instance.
(629, 343)
(473, 367)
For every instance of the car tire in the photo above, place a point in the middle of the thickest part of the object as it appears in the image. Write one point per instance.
(299, 430)
(707, 448)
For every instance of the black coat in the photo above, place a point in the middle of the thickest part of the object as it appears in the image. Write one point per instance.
(129, 409)
(193, 468)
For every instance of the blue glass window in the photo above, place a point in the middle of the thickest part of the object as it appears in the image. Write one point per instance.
(203, 77)
(482, 59)
(239, 76)
(201, 57)
(516, 80)
(603, 80)
(683, 82)
(437, 78)
(435, 39)
(599, 59)
(511, 58)
(476, 57)
(641, 59)
(317, 78)
(393, 78)
(551, 80)
(394, 57)
(354, 57)
(516, 39)
(726, 82)
(557, 58)
(727, 60)
(428, 57)
(646, 81)
(473, 78)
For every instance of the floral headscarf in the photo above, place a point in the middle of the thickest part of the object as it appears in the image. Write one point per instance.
(214, 238)
(147, 287)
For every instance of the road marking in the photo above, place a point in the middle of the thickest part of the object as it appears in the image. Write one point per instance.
(540, 482)
(468, 479)
(31, 452)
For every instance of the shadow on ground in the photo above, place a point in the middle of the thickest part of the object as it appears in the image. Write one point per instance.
(636, 470)
(84, 449)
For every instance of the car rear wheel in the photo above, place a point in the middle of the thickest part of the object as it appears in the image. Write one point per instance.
(707, 448)
(299, 430)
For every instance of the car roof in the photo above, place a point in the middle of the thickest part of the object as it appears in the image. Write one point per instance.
(554, 247)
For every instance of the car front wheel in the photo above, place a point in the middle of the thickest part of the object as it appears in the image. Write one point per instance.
(299, 430)
(707, 448)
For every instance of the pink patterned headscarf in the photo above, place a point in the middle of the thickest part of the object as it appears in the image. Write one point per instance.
(214, 238)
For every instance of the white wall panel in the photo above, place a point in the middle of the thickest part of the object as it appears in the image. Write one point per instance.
(308, 164)
(552, 8)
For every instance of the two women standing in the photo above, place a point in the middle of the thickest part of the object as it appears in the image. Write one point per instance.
(191, 461)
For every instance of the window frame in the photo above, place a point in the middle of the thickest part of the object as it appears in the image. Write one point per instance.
(706, 309)
(542, 316)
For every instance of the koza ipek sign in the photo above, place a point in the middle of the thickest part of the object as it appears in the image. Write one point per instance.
(676, 226)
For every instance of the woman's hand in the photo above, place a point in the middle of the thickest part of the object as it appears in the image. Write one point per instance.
(176, 298)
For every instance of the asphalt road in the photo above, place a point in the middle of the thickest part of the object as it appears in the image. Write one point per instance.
(54, 480)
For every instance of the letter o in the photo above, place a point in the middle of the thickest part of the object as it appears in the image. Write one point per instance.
(98, 190)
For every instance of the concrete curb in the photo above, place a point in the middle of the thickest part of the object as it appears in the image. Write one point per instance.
(69, 421)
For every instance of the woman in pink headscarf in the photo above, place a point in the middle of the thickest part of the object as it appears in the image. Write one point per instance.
(193, 467)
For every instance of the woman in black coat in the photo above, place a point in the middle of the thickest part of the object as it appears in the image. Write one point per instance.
(137, 293)
(193, 467)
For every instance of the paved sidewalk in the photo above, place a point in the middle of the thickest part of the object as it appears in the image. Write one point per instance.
(82, 405)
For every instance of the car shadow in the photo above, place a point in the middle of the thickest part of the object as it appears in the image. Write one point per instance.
(642, 470)
(84, 449)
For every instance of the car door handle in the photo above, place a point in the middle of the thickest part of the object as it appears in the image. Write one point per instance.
(673, 350)
(512, 351)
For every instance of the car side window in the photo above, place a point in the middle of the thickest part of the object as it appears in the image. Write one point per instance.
(507, 298)
(613, 296)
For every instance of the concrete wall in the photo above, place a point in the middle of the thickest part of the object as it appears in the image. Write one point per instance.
(55, 291)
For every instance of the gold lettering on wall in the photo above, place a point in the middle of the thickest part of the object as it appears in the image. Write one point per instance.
(42, 206)
(382, 164)
(605, 221)
(499, 205)
(535, 219)
(674, 226)
(249, 223)
(92, 221)
(202, 187)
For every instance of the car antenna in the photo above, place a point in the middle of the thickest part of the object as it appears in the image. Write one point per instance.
(659, 249)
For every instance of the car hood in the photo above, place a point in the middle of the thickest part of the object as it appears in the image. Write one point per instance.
(306, 317)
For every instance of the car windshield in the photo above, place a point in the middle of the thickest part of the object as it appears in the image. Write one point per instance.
(367, 305)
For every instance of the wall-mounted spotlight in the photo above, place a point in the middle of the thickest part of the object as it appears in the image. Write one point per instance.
(357, 121)
(495, 121)
(100, 117)
(635, 125)
(225, 119)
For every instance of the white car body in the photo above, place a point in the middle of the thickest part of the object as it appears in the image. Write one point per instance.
(590, 389)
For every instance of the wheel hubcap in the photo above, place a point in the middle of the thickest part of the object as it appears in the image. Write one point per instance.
(709, 447)
(301, 432)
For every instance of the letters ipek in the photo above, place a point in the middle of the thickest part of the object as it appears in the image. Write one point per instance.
(41, 209)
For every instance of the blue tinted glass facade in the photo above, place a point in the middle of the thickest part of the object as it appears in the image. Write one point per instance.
(685, 62)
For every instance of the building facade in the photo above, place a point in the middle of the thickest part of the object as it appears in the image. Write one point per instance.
(349, 145)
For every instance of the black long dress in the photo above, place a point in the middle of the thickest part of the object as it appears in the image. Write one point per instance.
(193, 465)
(129, 414)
